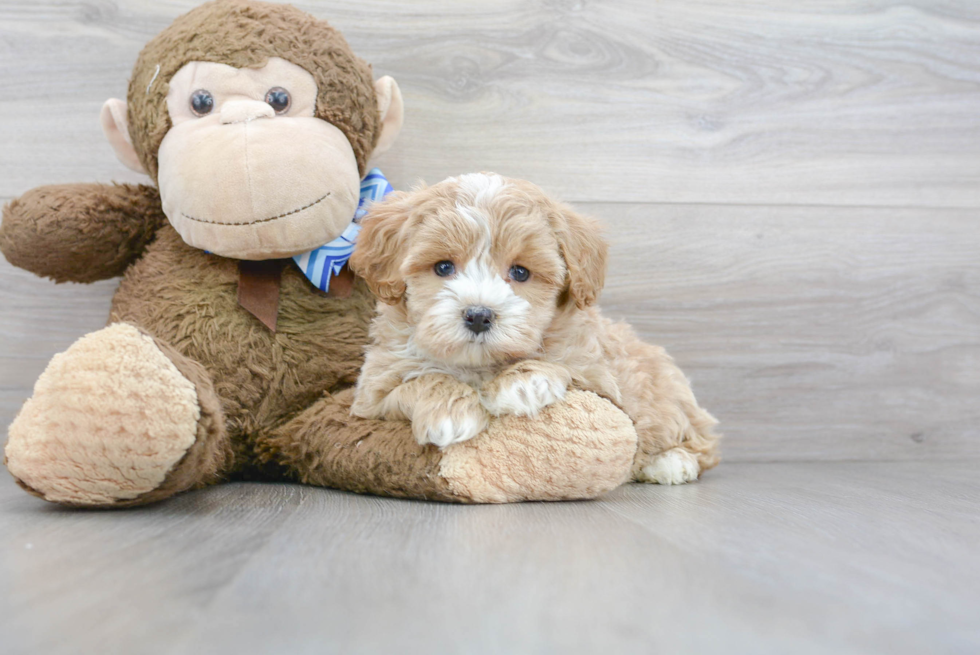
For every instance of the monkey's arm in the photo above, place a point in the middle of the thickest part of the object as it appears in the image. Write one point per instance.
(80, 232)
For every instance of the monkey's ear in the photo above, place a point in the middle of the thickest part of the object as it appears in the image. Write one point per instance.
(116, 129)
(584, 250)
(392, 112)
(381, 247)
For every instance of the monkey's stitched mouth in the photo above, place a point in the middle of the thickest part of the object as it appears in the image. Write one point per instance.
(261, 220)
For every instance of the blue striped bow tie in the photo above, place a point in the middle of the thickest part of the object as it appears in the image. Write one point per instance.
(326, 261)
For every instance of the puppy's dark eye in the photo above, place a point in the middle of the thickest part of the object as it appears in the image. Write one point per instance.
(278, 98)
(444, 268)
(202, 102)
(519, 273)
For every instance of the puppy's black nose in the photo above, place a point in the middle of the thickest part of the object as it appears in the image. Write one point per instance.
(478, 319)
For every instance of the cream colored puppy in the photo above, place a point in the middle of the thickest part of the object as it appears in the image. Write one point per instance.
(488, 291)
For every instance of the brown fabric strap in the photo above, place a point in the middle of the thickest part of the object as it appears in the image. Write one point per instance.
(341, 284)
(258, 289)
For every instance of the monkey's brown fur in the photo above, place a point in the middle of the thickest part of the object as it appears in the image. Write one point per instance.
(270, 405)
(244, 35)
(80, 232)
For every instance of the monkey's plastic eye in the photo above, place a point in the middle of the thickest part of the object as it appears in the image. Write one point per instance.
(444, 268)
(278, 97)
(519, 273)
(202, 102)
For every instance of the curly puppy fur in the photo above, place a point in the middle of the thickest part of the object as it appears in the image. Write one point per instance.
(440, 255)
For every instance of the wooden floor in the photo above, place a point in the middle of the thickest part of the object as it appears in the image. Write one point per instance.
(756, 558)
(792, 193)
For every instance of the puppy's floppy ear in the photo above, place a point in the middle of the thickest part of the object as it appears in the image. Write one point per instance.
(380, 247)
(584, 251)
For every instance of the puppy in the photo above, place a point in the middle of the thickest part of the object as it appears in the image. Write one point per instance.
(488, 294)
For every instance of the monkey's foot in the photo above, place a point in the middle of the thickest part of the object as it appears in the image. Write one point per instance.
(109, 421)
(579, 448)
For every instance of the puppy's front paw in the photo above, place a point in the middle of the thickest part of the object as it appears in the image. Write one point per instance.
(524, 395)
(442, 426)
(676, 466)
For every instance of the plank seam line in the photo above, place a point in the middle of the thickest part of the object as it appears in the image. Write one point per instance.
(956, 208)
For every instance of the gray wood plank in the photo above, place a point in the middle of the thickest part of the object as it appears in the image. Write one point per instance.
(39, 319)
(124, 582)
(755, 558)
(863, 102)
(813, 333)
(834, 332)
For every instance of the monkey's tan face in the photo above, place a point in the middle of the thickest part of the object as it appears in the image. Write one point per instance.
(247, 171)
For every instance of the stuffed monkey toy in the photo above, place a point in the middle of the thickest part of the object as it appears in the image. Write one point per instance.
(223, 357)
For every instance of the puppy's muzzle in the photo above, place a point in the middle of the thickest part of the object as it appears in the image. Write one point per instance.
(478, 319)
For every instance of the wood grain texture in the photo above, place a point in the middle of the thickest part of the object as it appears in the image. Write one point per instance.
(811, 332)
(790, 191)
(861, 102)
(774, 558)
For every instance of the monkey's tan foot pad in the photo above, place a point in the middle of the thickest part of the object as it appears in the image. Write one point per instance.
(108, 420)
(580, 448)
